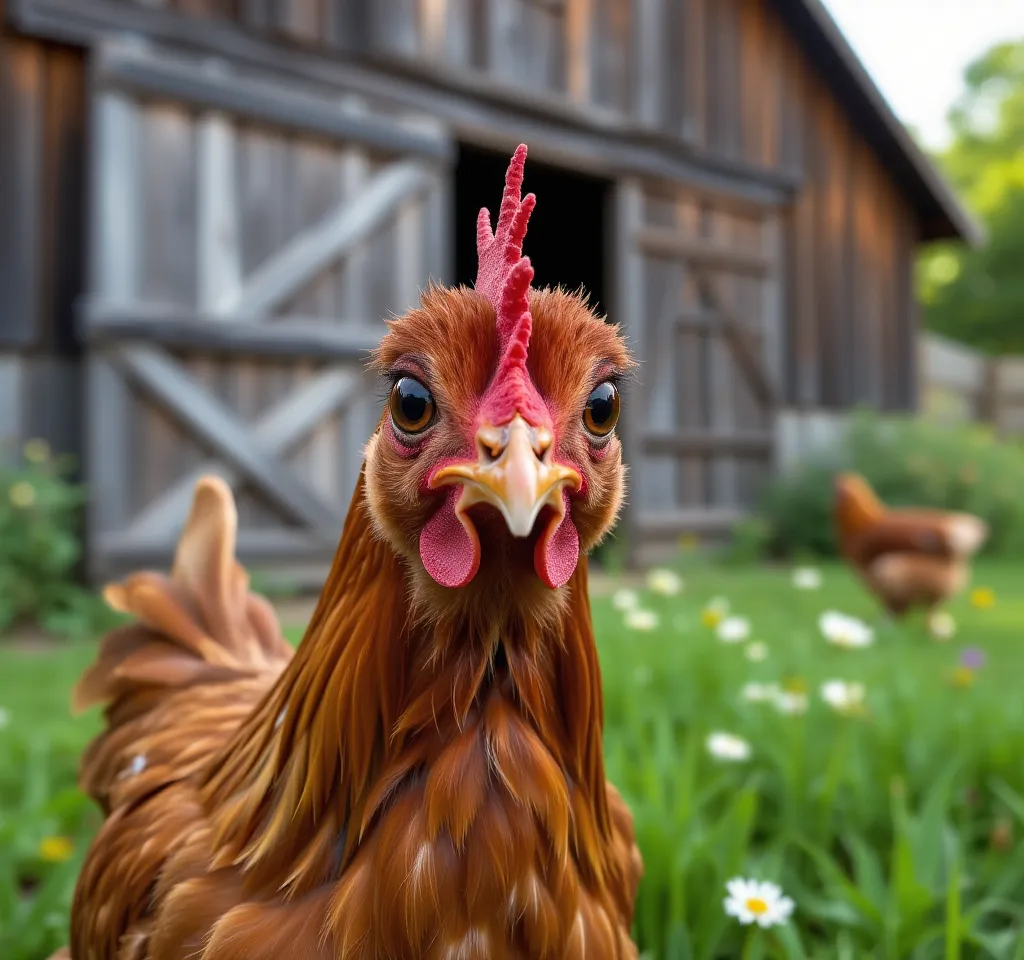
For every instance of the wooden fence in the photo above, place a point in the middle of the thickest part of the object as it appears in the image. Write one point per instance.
(959, 385)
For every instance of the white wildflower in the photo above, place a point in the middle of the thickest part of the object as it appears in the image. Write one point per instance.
(942, 625)
(844, 631)
(760, 902)
(791, 702)
(806, 578)
(756, 651)
(843, 697)
(760, 692)
(625, 599)
(640, 619)
(663, 581)
(733, 630)
(727, 746)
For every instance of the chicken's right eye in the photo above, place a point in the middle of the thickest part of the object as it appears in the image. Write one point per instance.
(412, 406)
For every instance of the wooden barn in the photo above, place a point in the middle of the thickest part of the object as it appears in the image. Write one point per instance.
(208, 206)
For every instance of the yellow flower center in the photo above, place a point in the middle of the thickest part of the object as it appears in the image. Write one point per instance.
(711, 617)
(56, 849)
(983, 597)
(963, 676)
(757, 906)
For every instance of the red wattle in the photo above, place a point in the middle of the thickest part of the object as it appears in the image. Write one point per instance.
(449, 546)
(558, 550)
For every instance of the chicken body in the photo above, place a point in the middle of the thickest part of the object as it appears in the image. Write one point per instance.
(908, 558)
(424, 778)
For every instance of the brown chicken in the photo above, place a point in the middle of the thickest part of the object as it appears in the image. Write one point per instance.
(907, 557)
(424, 778)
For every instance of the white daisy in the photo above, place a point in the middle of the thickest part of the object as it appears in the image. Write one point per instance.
(727, 746)
(733, 630)
(760, 692)
(640, 619)
(715, 612)
(843, 631)
(666, 582)
(843, 697)
(625, 599)
(756, 651)
(760, 902)
(791, 702)
(942, 625)
(806, 578)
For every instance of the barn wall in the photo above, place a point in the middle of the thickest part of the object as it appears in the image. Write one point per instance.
(852, 319)
(726, 79)
(42, 130)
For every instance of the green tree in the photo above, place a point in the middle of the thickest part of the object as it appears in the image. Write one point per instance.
(977, 296)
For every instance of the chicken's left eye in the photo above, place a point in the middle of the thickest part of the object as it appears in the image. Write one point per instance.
(602, 410)
(412, 405)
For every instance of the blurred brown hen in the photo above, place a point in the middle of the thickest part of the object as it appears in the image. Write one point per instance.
(908, 557)
(424, 777)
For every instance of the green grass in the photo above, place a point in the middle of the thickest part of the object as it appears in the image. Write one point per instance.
(894, 832)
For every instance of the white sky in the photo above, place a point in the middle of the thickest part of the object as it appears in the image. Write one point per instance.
(916, 50)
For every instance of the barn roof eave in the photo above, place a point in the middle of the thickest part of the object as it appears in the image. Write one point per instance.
(942, 215)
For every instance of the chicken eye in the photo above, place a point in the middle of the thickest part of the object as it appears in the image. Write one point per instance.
(602, 410)
(412, 406)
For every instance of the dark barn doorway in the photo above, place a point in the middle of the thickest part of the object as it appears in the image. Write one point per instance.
(566, 241)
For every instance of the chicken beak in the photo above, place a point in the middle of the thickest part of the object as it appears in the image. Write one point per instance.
(514, 472)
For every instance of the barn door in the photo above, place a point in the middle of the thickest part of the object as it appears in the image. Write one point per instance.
(698, 289)
(248, 239)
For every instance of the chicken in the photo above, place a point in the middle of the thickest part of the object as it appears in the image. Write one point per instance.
(424, 778)
(907, 557)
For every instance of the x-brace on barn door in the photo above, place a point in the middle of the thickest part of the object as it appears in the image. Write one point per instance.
(249, 236)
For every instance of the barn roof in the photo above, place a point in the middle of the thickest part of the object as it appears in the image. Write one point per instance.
(942, 214)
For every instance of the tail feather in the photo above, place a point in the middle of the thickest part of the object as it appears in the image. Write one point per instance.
(201, 653)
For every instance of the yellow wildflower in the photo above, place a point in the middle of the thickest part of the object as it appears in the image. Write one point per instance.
(37, 451)
(962, 677)
(688, 542)
(56, 849)
(983, 597)
(22, 494)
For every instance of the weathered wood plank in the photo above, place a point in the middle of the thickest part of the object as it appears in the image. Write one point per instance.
(161, 378)
(356, 219)
(579, 51)
(11, 406)
(280, 103)
(670, 524)
(629, 302)
(296, 338)
(707, 251)
(252, 546)
(220, 258)
(708, 443)
(275, 432)
(650, 62)
(22, 96)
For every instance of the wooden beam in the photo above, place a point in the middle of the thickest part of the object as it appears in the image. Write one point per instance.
(212, 85)
(709, 443)
(242, 336)
(744, 351)
(669, 243)
(204, 415)
(473, 105)
(285, 273)
(219, 261)
(282, 427)
(670, 524)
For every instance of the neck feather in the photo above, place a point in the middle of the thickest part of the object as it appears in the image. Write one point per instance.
(373, 696)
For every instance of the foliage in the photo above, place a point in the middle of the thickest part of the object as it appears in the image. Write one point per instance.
(40, 546)
(893, 831)
(978, 295)
(909, 462)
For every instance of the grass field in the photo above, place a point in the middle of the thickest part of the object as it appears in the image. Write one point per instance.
(893, 827)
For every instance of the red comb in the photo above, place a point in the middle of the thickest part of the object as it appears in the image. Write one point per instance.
(504, 276)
